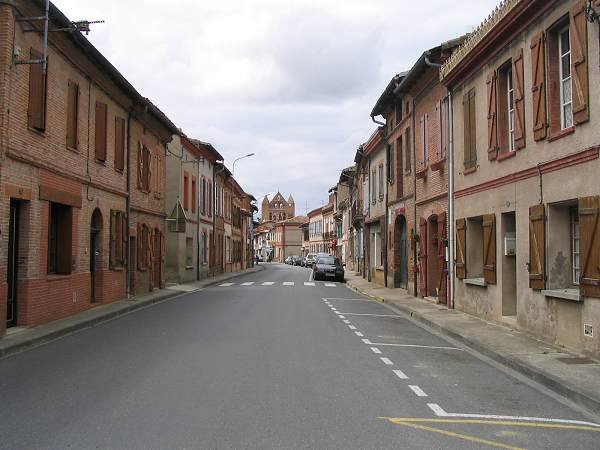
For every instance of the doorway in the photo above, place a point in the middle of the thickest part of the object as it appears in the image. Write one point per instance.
(433, 264)
(509, 265)
(95, 254)
(12, 273)
(400, 254)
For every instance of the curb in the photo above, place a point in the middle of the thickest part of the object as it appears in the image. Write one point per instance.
(46, 337)
(529, 371)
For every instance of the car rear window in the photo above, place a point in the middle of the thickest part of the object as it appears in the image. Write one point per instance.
(326, 260)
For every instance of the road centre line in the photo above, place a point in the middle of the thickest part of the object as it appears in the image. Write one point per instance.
(376, 350)
(387, 361)
(418, 346)
(437, 409)
(358, 333)
(400, 374)
(417, 390)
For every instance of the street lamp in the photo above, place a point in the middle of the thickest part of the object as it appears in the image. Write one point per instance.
(237, 159)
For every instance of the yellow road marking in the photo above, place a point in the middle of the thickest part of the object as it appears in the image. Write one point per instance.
(465, 437)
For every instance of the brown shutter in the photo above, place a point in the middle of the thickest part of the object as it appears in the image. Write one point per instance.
(36, 110)
(537, 247)
(466, 131)
(589, 231)
(113, 239)
(124, 228)
(443, 270)
(489, 248)
(422, 257)
(461, 247)
(140, 165)
(538, 86)
(140, 247)
(519, 98)
(472, 129)
(579, 62)
(100, 133)
(119, 143)
(492, 115)
(148, 165)
(72, 114)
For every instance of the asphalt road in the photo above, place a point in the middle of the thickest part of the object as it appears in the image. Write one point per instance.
(281, 365)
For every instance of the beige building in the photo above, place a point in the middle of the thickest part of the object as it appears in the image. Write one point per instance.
(526, 163)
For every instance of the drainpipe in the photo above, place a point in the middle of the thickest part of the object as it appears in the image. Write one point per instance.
(128, 267)
(429, 62)
(197, 220)
(451, 231)
(377, 121)
(414, 162)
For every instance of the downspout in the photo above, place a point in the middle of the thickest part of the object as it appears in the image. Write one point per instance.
(197, 219)
(385, 226)
(128, 268)
(377, 121)
(414, 162)
(451, 231)
(368, 239)
(429, 62)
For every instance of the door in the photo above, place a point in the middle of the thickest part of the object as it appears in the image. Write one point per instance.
(12, 271)
(400, 254)
(422, 257)
(95, 254)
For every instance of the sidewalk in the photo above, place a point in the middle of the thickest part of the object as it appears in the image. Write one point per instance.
(572, 376)
(22, 339)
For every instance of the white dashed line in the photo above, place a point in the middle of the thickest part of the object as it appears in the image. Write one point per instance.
(358, 333)
(268, 283)
(308, 283)
(226, 285)
(387, 361)
(330, 285)
(417, 390)
(347, 321)
(400, 374)
(333, 309)
(340, 316)
(376, 350)
(368, 342)
(288, 283)
(417, 346)
(352, 327)
(247, 283)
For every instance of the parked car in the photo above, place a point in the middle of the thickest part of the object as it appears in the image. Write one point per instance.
(288, 260)
(328, 267)
(310, 259)
(296, 260)
(303, 261)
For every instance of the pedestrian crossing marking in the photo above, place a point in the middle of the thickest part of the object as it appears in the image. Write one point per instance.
(268, 283)
(330, 284)
(278, 283)
(247, 283)
(288, 283)
(226, 284)
(309, 283)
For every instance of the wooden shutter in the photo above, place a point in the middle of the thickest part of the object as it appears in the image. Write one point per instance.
(140, 165)
(461, 247)
(36, 111)
(194, 187)
(65, 240)
(422, 257)
(538, 86)
(186, 189)
(472, 129)
(100, 136)
(140, 247)
(443, 269)
(148, 166)
(519, 98)
(113, 239)
(466, 131)
(589, 231)
(124, 228)
(119, 143)
(489, 248)
(537, 247)
(72, 114)
(492, 116)
(579, 62)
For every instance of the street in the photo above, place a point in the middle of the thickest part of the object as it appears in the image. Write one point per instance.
(274, 360)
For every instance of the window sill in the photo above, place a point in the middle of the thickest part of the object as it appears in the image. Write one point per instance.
(41, 133)
(562, 133)
(469, 170)
(189, 267)
(117, 269)
(437, 165)
(475, 282)
(73, 149)
(99, 161)
(506, 155)
(422, 173)
(565, 294)
(57, 276)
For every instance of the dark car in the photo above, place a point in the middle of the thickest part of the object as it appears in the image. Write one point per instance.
(288, 260)
(296, 260)
(328, 268)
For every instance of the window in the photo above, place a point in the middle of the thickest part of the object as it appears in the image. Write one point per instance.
(425, 139)
(119, 143)
(194, 194)
(381, 184)
(143, 246)
(390, 162)
(36, 111)
(118, 239)
(470, 148)
(511, 110)
(209, 188)
(204, 247)
(143, 167)
(575, 267)
(186, 191)
(564, 68)
(100, 131)
(373, 186)
(506, 111)
(72, 115)
(398, 112)
(399, 169)
(189, 252)
(407, 150)
(59, 239)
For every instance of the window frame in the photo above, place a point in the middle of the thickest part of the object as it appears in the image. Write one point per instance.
(562, 79)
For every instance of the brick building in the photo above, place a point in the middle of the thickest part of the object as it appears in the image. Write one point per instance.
(76, 128)
(278, 208)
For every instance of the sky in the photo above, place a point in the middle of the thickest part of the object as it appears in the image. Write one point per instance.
(292, 81)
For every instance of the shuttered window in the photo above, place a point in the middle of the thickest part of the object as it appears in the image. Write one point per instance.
(518, 85)
(100, 131)
(60, 230)
(492, 116)
(461, 245)
(194, 194)
(119, 143)
(489, 248)
(118, 239)
(143, 167)
(407, 151)
(399, 168)
(390, 162)
(579, 62)
(443, 269)
(36, 111)
(186, 189)
(470, 132)
(422, 257)
(537, 247)
(589, 236)
(72, 115)
(538, 86)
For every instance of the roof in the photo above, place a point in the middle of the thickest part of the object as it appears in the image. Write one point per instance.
(346, 173)
(315, 211)
(387, 96)
(208, 147)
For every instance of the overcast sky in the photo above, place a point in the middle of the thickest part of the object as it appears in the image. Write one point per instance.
(292, 81)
